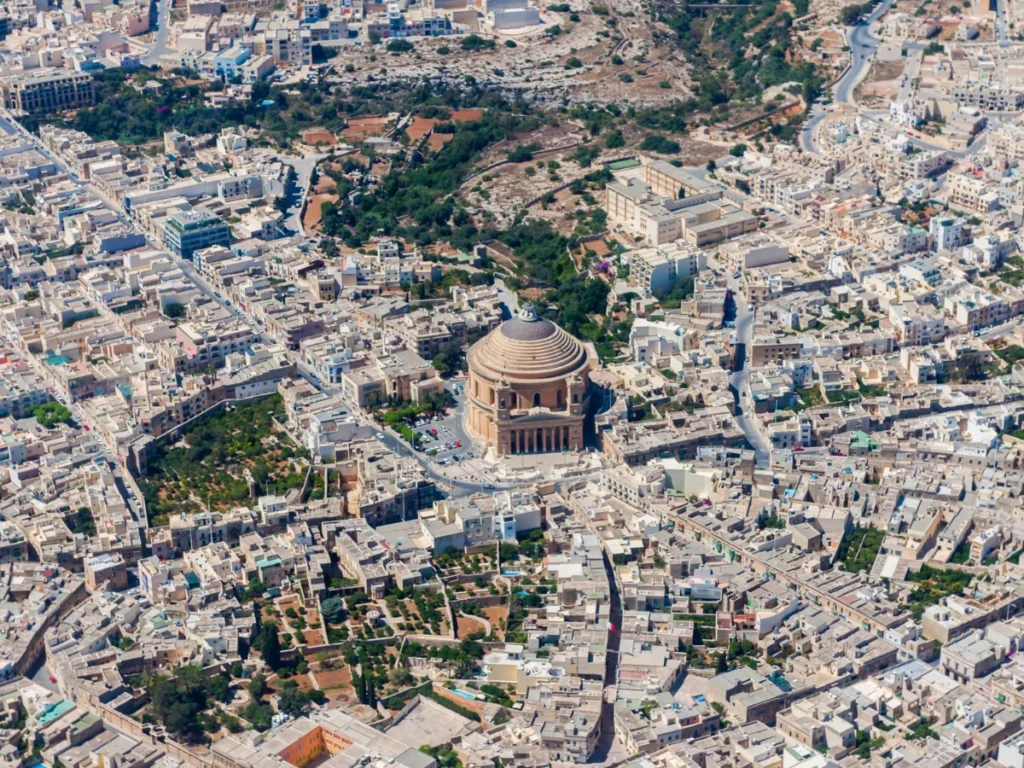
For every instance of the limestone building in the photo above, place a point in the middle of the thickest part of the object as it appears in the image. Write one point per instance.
(527, 384)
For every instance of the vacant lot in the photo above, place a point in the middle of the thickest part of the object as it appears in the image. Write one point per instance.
(468, 626)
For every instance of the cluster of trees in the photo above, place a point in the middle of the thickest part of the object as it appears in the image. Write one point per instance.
(416, 200)
(681, 290)
(654, 142)
(294, 701)
(50, 415)
(460, 661)
(180, 475)
(365, 690)
(449, 360)
(852, 14)
(182, 703)
(739, 52)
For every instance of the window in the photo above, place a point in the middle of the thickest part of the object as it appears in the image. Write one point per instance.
(536, 399)
(575, 397)
(560, 398)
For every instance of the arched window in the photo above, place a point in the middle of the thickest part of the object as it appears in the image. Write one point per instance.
(515, 400)
(575, 397)
(560, 398)
(490, 396)
(536, 399)
(476, 388)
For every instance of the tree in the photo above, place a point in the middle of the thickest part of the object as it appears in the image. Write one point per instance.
(614, 140)
(270, 646)
(174, 311)
(738, 150)
(257, 687)
(360, 685)
(219, 687)
(292, 701)
(400, 677)
(721, 663)
(448, 360)
(371, 694)
(712, 165)
(260, 715)
(654, 142)
(333, 610)
(476, 43)
(851, 14)
(521, 153)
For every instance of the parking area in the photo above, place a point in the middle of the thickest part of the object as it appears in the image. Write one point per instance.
(445, 440)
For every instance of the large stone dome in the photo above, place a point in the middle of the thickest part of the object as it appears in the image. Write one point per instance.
(527, 348)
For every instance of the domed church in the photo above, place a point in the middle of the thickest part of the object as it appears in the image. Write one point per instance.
(528, 383)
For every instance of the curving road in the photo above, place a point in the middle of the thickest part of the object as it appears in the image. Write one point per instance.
(863, 45)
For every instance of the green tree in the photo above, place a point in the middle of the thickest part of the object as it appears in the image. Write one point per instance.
(270, 646)
(333, 610)
(218, 687)
(371, 693)
(257, 687)
(292, 701)
(614, 140)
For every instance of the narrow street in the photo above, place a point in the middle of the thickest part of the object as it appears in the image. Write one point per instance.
(611, 674)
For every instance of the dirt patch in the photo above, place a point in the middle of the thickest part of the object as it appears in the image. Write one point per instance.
(361, 127)
(438, 140)
(418, 127)
(313, 637)
(314, 137)
(467, 115)
(467, 626)
(496, 614)
(333, 679)
(325, 184)
(314, 210)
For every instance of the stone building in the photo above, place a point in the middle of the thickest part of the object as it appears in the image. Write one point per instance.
(527, 387)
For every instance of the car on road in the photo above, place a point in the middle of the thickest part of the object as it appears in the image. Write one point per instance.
(488, 486)
(458, 444)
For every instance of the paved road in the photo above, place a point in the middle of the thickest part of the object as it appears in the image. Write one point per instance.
(303, 167)
(739, 380)
(611, 671)
(1002, 32)
(163, 30)
(862, 47)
